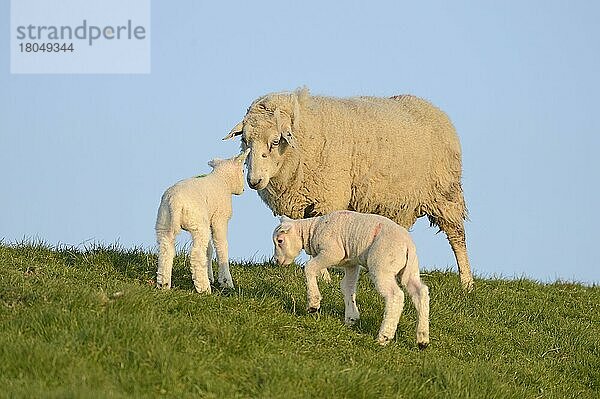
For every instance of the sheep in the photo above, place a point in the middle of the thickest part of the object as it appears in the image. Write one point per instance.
(349, 240)
(202, 206)
(397, 157)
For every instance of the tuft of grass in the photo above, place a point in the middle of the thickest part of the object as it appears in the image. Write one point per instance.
(89, 323)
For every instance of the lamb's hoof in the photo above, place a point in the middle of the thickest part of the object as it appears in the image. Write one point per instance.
(162, 286)
(325, 276)
(423, 345)
(226, 285)
(312, 309)
(350, 321)
(383, 340)
(467, 285)
(203, 290)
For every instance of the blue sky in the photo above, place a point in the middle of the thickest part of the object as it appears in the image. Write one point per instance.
(86, 157)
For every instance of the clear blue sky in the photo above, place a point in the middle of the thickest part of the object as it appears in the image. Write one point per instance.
(86, 157)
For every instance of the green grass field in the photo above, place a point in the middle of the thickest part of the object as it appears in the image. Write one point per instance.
(89, 323)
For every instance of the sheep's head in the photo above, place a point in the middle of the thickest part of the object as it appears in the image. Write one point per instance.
(233, 168)
(287, 242)
(268, 131)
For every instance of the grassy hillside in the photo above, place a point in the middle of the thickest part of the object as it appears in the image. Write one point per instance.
(90, 324)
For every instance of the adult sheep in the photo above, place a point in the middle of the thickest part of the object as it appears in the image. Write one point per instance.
(397, 157)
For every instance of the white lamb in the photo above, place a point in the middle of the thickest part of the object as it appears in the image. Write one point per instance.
(201, 206)
(349, 240)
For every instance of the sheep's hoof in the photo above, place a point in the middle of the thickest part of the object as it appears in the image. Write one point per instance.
(162, 286)
(423, 345)
(383, 340)
(312, 309)
(350, 321)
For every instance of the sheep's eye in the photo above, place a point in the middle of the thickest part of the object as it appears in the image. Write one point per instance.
(280, 241)
(274, 144)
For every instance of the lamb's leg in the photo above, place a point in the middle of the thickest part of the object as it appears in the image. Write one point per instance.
(348, 286)
(313, 267)
(209, 255)
(325, 276)
(166, 253)
(198, 260)
(385, 283)
(419, 294)
(219, 232)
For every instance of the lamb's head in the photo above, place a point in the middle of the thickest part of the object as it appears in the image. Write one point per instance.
(233, 170)
(287, 242)
(268, 131)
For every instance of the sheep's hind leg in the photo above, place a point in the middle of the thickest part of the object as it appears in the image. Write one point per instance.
(198, 261)
(456, 238)
(348, 286)
(394, 303)
(166, 253)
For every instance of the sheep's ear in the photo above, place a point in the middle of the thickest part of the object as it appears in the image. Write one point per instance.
(236, 131)
(289, 137)
(214, 162)
(284, 128)
(242, 156)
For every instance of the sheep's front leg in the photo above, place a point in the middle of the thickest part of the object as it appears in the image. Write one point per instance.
(348, 286)
(311, 271)
(219, 233)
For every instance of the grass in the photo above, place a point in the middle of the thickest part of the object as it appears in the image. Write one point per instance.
(89, 323)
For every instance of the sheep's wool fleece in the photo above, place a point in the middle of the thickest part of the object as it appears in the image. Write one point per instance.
(398, 157)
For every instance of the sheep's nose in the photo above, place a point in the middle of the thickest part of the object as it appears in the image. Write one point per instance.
(254, 183)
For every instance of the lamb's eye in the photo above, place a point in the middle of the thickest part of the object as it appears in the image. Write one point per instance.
(280, 241)
(275, 143)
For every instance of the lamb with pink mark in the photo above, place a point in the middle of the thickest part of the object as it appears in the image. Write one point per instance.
(348, 240)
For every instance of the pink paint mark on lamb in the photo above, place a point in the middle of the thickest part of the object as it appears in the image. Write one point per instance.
(376, 230)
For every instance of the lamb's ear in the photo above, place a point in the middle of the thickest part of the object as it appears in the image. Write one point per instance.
(285, 219)
(242, 156)
(283, 229)
(214, 162)
(236, 131)
(284, 128)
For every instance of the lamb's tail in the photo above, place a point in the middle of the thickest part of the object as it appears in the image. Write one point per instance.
(167, 227)
(167, 218)
(419, 294)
